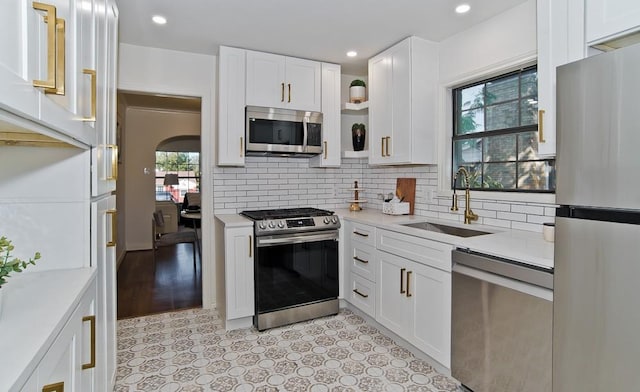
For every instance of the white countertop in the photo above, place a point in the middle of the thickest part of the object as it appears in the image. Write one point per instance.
(234, 220)
(35, 308)
(518, 245)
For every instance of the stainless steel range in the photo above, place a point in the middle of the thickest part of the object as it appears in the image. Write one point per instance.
(296, 265)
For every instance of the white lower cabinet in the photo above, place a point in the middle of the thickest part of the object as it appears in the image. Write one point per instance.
(234, 274)
(404, 283)
(70, 362)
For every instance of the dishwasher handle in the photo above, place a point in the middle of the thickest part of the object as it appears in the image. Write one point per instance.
(503, 267)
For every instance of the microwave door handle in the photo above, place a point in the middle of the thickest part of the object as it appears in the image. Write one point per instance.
(305, 123)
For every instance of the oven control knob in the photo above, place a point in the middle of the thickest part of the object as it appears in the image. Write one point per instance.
(262, 225)
(334, 220)
(272, 225)
(326, 221)
(281, 224)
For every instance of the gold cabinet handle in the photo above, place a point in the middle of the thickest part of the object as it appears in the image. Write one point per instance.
(402, 280)
(250, 246)
(50, 83)
(92, 74)
(360, 234)
(360, 294)
(356, 258)
(541, 126)
(92, 361)
(325, 149)
(114, 228)
(241, 146)
(386, 147)
(282, 93)
(57, 387)
(289, 91)
(409, 283)
(60, 26)
(382, 146)
(114, 162)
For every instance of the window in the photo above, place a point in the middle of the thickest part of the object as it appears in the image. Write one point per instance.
(495, 135)
(186, 165)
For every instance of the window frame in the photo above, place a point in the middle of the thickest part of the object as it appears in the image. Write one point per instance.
(197, 178)
(516, 131)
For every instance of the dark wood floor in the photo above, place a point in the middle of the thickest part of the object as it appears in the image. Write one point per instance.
(145, 287)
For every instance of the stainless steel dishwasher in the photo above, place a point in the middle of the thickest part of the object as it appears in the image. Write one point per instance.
(501, 324)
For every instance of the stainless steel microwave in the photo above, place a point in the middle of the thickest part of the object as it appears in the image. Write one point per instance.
(284, 132)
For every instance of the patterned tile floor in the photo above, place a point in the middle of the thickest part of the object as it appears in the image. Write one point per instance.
(190, 351)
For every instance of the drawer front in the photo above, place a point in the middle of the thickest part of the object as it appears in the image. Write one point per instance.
(363, 260)
(362, 234)
(421, 250)
(362, 294)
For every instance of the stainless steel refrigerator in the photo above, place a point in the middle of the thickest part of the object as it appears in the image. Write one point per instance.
(596, 315)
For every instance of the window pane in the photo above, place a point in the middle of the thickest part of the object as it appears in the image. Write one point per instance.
(502, 90)
(475, 177)
(528, 146)
(529, 83)
(499, 148)
(529, 111)
(467, 151)
(502, 116)
(538, 175)
(471, 121)
(471, 97)
(499, 176)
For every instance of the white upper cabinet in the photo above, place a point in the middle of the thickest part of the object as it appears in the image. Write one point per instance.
(42, 63)
(231, 103)
(560, 36)
(283, 82)
(608, 19)
(331, 148)
(402, 104)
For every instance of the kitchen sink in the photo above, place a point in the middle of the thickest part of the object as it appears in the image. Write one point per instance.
(451, 230)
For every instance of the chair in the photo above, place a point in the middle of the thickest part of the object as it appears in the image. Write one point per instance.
(167, 239)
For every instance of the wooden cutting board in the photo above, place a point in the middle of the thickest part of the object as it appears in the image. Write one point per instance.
(406, 187)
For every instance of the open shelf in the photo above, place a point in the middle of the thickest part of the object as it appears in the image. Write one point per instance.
(355, 108)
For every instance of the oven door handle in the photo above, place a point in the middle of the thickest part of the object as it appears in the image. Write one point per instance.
(295, 239)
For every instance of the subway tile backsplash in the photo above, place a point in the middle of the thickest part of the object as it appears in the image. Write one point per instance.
(290, 182)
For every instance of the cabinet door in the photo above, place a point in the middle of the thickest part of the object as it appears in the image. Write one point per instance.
(239, 249)
(231, 104)
(398, 148)
(303, 84)
(393, 307)
(330, 118)
(606, 19)
(103, 257)
(380, 102)
(430, 290)
(266, 85)
(18, 58)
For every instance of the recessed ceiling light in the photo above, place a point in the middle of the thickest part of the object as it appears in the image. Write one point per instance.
(352, 53)
(462, 8)
(159, 19)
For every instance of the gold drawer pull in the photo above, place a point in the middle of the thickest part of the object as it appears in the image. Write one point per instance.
(360, 294)
(360, 234)
(382, 146)
(60, 26)
(241, 146)
(386, 147)
(402, 280)
(114, 162)
(289, 92)
(50, 83)
(282, 93)
(92, 74)
(114, 228)
(250, 246)
(57, 387)
(409, 283)
(325, 149)
(92, 361)
(356, 258)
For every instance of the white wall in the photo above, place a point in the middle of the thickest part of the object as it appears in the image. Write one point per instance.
(152, 70)
(146, 128)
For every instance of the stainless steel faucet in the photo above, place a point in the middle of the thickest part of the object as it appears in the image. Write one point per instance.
(468, 214)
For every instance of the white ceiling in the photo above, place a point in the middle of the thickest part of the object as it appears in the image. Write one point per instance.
(319, 30)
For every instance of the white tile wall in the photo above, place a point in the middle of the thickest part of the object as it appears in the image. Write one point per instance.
(289, 182)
